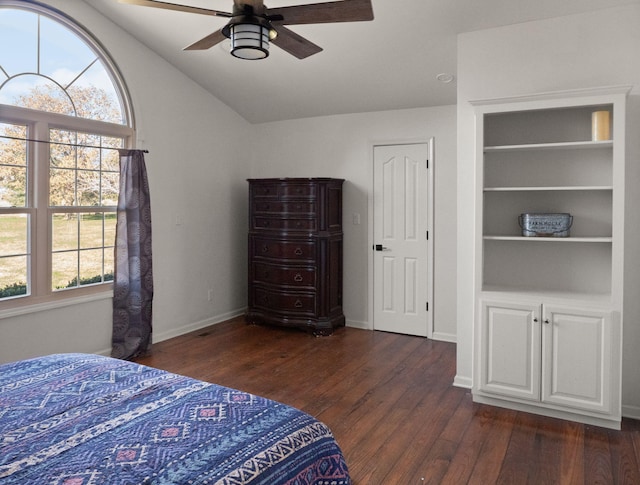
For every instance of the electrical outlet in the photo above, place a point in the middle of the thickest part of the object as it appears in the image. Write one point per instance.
(356, 219)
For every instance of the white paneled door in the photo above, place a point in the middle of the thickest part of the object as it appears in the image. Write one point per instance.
(402, 268)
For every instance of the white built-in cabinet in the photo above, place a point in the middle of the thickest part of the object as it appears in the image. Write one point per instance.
(548, 318)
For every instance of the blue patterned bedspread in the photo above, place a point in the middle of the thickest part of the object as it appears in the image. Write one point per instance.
(78, 419)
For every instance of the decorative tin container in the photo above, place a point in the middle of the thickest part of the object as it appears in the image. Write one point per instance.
(545, 224)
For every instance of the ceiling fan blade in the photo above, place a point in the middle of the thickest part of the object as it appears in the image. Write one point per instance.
(207, 42)
(175, 6)
(295, 44)
(319, 13)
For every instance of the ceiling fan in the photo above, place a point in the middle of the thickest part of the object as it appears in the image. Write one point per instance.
(252, 25)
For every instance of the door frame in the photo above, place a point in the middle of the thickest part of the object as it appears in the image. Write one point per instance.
(430, 174)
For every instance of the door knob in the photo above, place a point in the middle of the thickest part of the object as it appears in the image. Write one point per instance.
(380, 247)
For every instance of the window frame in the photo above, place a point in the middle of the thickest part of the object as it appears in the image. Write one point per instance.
(39, 123)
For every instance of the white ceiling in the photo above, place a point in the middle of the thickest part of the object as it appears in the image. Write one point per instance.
(389, 63)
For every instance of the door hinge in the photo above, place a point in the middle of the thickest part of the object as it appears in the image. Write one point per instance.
(427, 306)
(427, 235)
(427, 164)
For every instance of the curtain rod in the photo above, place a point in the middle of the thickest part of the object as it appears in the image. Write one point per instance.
(67, 144)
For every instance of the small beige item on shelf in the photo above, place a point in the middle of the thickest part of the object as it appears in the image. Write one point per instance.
(600, 126)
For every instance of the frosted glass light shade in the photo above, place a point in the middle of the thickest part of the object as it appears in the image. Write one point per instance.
(249, 41)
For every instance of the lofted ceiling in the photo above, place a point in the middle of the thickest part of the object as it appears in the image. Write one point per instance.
(388, 63)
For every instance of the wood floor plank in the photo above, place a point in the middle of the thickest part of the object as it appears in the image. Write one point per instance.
(597, 456)
(390, 402)
(517, 459)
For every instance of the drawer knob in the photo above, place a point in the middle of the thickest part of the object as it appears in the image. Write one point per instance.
(298, 252)
(266, 223)
(297, 278)
(265, 249)
(265, 275)
(298, 304)
(298, 224)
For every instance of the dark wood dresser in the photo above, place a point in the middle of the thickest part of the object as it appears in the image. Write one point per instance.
(295, 253)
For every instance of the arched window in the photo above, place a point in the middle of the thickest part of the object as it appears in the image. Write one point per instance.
(64, 112)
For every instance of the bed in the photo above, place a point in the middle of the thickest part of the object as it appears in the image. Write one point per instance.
(80, 419)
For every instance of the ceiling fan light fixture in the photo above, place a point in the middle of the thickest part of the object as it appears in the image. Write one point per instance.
(249, 40)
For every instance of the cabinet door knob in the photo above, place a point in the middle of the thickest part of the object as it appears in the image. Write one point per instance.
(546, 321)
(535, 319)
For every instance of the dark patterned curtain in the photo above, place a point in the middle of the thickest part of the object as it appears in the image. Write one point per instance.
(133, 278)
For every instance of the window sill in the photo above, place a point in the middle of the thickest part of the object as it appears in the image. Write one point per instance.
(53, 304)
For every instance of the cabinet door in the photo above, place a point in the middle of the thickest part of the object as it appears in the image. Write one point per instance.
(577, 354)
(510, 350)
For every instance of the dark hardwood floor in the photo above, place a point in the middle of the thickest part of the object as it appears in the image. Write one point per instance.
(389, 400)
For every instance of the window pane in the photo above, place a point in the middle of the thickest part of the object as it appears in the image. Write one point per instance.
(110, 157)
(96, 97)
(63, 55)
(64, 270)
(88, 156)
(62, 187)
(64, 232)
(13, 276)
(108, 264)
(14, 231)
(13, 165)
(110, 229)
(35, 92)
(88, 188)
(61, 152)
(91, 231)
(91, 266)
(110, 188)
(18, 27)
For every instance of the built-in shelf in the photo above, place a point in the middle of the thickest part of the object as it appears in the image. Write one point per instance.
(518, 292)
(547, 308)
(550, 146)
(550, 239)
(549, 189)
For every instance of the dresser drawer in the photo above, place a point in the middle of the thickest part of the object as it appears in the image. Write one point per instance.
(275, 207)
(284, 224)
(285, 303)
(294, 191)
(265, 191)
(293, 250)
(285, 276)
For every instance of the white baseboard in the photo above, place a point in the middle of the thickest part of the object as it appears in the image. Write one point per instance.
(191, 327)
(463, 381)
(444, 337)
(356, 324)
(632, 412)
